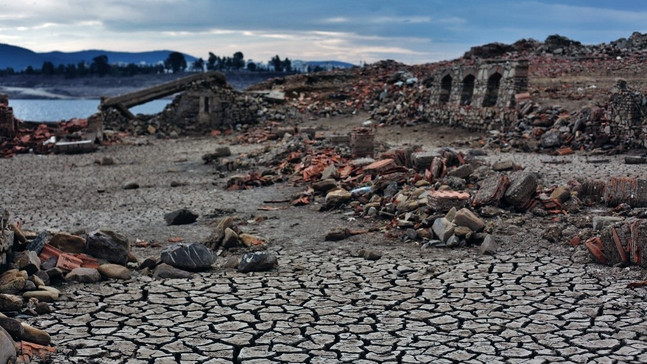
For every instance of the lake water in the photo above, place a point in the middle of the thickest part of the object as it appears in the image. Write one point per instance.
(57, 110)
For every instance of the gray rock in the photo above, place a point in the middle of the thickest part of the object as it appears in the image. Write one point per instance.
(551, 139)
(180, 217)
(38, 243)
(7, 349)
(465, 217)
(108, 245)
(192, 257)
(164, 271)
(461, 171)
(257, 262)
(522, 186)
(443, 229)
(488, 246)
(131, 185)
(115, 271)
(601, 222)
(28, 261)
(422, 160)
(83, 275)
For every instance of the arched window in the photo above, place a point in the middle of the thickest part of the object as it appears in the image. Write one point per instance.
(445, 89)
(492, 91)
(468, 90)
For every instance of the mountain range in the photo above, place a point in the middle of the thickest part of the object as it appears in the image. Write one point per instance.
(20, 58)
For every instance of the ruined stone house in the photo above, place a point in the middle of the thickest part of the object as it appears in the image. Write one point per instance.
(8, 123)
(479, 96)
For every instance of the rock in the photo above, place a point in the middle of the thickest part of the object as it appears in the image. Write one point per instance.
(114, 271)
(215, 240)
(491, 190)
(463, 171)
(131, 186)
(552, 233)
(369, 254)
(337, 197)
(522, 186)
(443, 228)
(35, 335)
(325, 185)
(107, 161)
(28, 261)
(68, 243)
(601, 222)
(501, 166)
(164, 271)
(465, 217)
(13, 281)
(337, 235)
(84, 275)
(439, 200)
(330, 172)
(257, 262)
(422, 160)
(453, 241)
(7, 348)
(29, 286)
(249, 240)
(230, 240)
(561, 194)
(150, 263)
(12, 327)
(635, 159)
(424, 234)
(54, 273)
(488, 246)
(42, 295)
(192, 257)
(551, 139)
(462, 231)
(108, 245)
(38, 281)
(180, 217)
(10, 302)
(38, 242)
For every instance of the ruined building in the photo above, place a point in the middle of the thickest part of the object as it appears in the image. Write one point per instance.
(8, 123)
(477, 97)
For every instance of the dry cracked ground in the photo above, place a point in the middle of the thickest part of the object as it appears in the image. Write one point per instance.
(532, 302)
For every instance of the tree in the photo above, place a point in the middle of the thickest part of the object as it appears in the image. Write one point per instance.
(277, 63)
(100, 65)
(82, 69)
(48, 68)
(211, 61)
(251, 66)
(238, 61)
(175, 62)
(70, 71)
(198, 65)
(287, 65)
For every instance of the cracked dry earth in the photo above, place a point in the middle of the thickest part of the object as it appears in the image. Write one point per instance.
(533, 302)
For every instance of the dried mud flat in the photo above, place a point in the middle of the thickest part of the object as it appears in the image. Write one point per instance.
(532, 302)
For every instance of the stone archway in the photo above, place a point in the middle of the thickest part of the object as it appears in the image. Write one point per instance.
(445, 89)
(492, 90)
(468, 90)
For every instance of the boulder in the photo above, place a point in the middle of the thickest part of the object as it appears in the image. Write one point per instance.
(28, 261)
(522, 186)
(115, 271)
(10, 302)
(337, 197)
(491, 190)
(13, 281)
(463, 171)
(443, 228)
(84, 275)
(488, 246)
(7, 348)
(42, 295)
(164, 270)
(257, 262)
(108, 245)
(12, 326)
(465, 217)
(68, 243)
(180, 217)
(35, 335)
(192, 257)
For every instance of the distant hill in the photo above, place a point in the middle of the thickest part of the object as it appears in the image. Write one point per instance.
(20, 58)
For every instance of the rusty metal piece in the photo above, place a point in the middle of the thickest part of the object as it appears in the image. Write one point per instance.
(621, 250)
(595, 247)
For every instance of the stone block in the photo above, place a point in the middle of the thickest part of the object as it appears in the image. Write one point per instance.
(443, 228)
(523, 186)
(465, 217)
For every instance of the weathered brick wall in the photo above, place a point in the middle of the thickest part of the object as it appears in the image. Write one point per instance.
(8, 123)
(477, 97)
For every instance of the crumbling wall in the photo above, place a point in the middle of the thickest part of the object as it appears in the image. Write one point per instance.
(478, 96)
(8, 123)
(627, 110)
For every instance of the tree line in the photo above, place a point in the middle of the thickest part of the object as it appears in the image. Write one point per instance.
(174, 63)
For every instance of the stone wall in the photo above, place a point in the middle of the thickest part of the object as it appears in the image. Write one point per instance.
(480, 96)
(627, 111)
(8, 123)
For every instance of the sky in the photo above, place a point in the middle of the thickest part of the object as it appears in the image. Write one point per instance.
(412, 32)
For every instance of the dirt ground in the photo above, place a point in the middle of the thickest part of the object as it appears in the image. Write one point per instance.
(73, 193)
